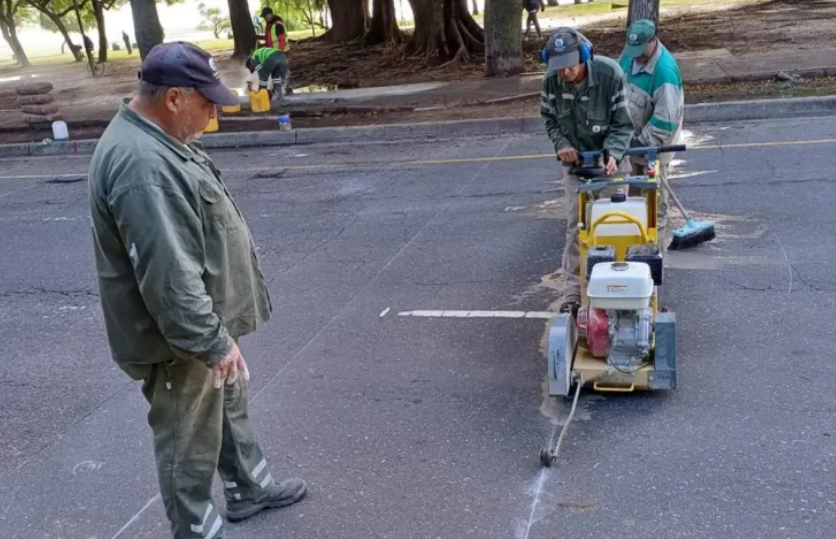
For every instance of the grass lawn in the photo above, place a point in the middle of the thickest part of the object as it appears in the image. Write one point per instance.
(214, 45)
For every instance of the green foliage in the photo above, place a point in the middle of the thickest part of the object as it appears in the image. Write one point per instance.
(213, 19)
(298, 14)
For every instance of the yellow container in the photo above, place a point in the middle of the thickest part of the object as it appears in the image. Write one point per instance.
(234, 108)
(212, 126)
(259, 101)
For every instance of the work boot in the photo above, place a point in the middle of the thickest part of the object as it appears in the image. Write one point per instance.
(281, 495)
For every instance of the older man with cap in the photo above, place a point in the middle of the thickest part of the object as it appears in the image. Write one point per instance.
(583, 104)
(656, 100)
(180, 283)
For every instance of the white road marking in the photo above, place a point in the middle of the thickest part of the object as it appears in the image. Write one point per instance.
(480, 314)
(384, 312)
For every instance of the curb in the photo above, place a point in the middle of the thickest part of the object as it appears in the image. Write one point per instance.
(694, 114)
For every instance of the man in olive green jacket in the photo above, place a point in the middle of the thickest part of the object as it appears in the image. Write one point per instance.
(180, 283)
(584, 108)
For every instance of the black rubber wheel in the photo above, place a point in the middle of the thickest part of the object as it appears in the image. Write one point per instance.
(546, 457)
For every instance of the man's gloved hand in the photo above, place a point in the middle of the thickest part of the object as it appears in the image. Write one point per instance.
(228, 368)
(569, 156)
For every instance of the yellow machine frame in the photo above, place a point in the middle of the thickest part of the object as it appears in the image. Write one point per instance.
(603, 377)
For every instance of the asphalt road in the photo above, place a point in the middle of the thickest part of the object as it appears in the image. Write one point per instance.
(414, 427)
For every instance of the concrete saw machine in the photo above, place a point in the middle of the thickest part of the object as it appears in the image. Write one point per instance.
(620, 339)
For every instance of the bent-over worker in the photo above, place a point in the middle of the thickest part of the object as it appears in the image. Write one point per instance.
(584, 107)
(180, 283)
(270, 64)
(657, 103)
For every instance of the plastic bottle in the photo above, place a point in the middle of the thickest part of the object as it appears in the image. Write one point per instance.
(60, 131)
(284, 122)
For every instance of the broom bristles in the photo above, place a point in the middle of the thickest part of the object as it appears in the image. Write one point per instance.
(691, 235)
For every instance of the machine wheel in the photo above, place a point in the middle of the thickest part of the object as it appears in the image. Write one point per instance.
(546, 457)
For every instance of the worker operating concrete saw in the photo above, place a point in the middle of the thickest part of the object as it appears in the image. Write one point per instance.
(270, 63)
(584, 107)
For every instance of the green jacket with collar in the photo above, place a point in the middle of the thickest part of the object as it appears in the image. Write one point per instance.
(656, 98)
(591, 116)
(177, 267)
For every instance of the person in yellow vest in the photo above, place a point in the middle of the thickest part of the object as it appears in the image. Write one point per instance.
(270, 64)
(275, 36)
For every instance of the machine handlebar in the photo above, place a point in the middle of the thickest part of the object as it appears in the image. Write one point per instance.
(590, 171)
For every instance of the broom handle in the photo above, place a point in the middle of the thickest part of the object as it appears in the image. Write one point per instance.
(673, 195)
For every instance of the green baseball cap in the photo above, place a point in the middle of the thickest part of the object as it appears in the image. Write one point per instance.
(639, 35)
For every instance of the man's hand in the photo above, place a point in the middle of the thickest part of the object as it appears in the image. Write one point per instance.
(229, 368)
(568, 156)
(611, 167)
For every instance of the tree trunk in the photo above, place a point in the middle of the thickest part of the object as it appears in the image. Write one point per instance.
(243, 32)
(98, 13)
(349, 19)
(384, 26)
(59, 23)
(552, 3)
(9, 31)
(503, 46)
(147, 27)
(446, 29)
(476, 8)
(643, 9)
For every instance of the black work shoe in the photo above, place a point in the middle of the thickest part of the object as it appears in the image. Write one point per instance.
(281, 495)
(570, 307)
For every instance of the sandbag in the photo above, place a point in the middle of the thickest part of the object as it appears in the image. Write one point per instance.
(42, 110)
(34, 88)
(42, 99)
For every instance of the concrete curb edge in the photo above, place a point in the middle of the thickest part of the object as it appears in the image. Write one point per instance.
(694, 114)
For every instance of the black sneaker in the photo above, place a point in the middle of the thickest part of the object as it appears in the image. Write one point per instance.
(281, 495)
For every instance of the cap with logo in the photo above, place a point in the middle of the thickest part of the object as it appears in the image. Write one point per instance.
(563, 50)
(639, 35)
(184, 65)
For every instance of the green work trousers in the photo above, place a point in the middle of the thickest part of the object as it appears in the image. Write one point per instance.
(199, 429)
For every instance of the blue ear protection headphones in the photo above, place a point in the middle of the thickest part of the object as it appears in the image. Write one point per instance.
(584, 47)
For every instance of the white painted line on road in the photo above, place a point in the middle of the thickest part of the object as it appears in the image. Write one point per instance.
(384, 312)
(480, 314)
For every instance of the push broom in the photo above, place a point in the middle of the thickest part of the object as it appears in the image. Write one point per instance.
(694, 232)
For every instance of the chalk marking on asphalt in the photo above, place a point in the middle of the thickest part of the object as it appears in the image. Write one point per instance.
(786, 261)
(341, 311)
(479, 314)
(136, 516)
(455, 161)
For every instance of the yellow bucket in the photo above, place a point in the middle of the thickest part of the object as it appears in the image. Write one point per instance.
(212, 126)
(234, 108)
(259, 101)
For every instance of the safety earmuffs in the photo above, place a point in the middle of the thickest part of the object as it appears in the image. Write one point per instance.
(584, 47)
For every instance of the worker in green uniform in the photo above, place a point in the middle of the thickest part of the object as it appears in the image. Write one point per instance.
(656, 101)
(271, 64)
(180, 284)
(584, 107)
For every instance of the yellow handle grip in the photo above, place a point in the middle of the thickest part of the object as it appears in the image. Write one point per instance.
(617, 217)
(611, 389)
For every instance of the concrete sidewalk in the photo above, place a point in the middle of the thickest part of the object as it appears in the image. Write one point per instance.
(699, 67)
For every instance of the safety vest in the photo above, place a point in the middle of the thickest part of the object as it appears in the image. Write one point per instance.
(275, 40)
(262, 54)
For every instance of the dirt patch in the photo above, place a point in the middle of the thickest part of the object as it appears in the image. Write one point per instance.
(768, 26)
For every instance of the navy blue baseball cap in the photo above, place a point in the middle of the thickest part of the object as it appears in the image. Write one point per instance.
(184, 65)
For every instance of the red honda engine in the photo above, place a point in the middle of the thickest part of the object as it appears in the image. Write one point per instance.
(593, 327)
